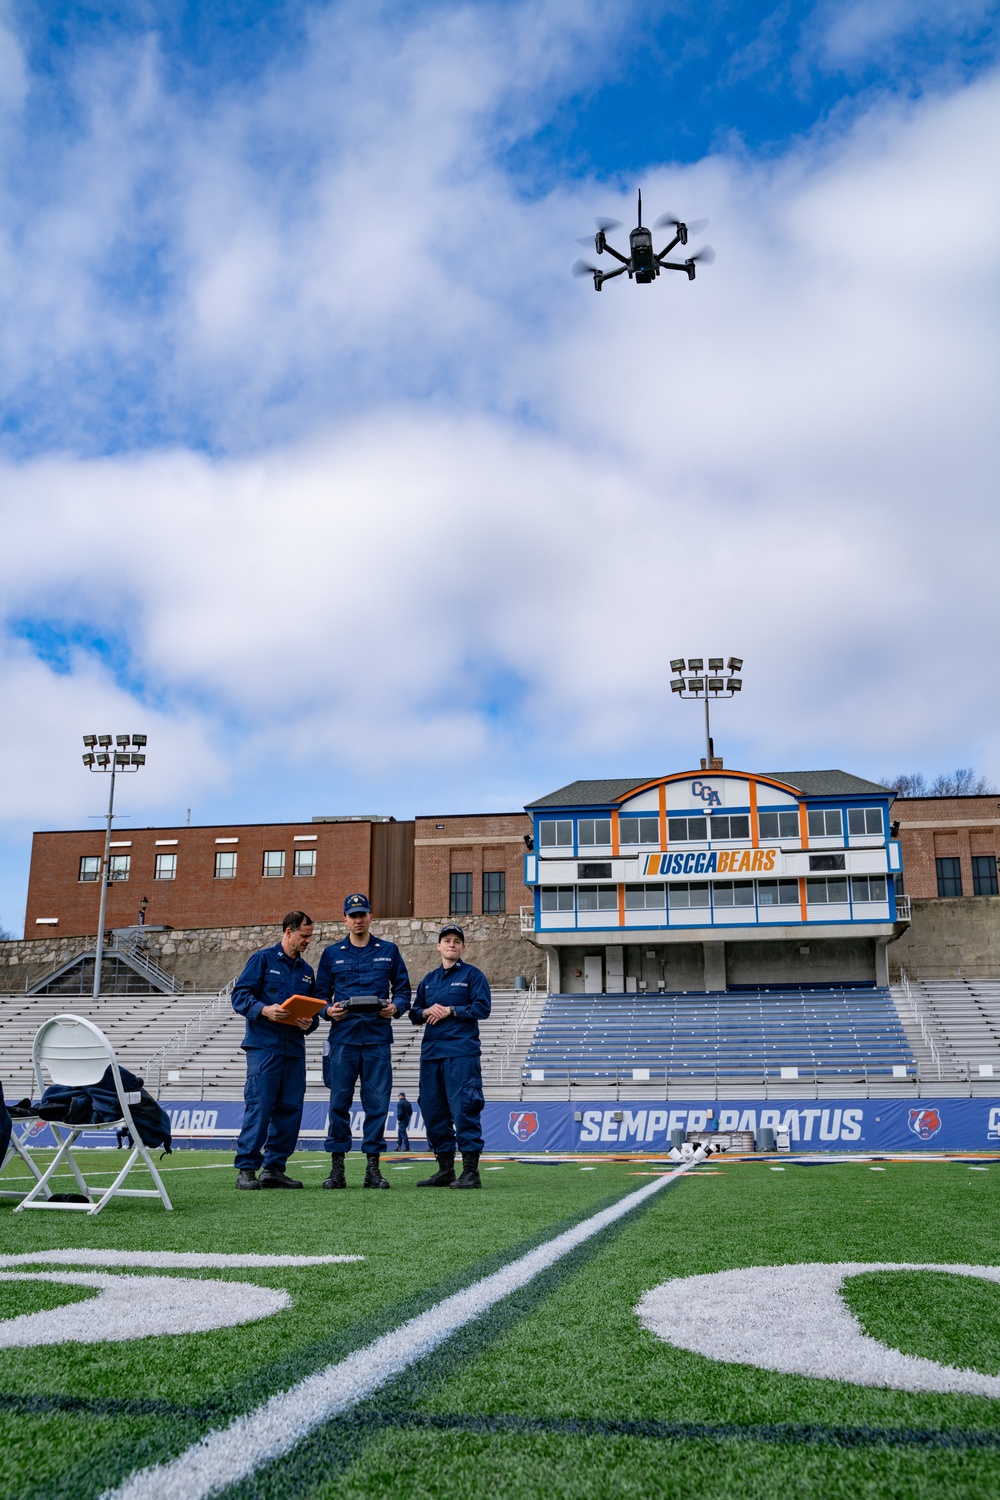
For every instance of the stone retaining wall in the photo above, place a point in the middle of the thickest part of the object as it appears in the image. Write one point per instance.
(206, 958)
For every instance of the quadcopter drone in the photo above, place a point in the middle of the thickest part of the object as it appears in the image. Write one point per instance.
(644, 264)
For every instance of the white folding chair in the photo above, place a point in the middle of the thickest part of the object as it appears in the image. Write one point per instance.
(72, 1050)
(18, 1151)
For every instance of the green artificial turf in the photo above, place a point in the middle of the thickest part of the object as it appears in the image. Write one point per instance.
(559, 1390)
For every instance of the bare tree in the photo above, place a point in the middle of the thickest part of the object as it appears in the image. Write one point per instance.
(962, 782)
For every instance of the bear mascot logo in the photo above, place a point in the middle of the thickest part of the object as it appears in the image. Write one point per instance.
(522, 1124)
(924, 1122)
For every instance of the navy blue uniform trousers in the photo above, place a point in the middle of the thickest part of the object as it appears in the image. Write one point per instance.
(273, 1098)
(451, 1101)
(343, 1068)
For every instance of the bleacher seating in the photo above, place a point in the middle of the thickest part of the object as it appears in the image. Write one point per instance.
(961, 1022)
(824, 1033)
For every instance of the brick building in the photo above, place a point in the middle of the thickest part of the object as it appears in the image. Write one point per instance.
(470, 865)
(949, 845)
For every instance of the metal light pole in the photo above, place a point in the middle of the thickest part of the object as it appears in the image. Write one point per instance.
(713, 684)
(99, 756)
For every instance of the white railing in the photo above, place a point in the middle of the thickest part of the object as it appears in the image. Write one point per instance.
(527, 919)
(903, 909)
(918, 1017)
(183, 1040)
(503, 1062)
(130, 944)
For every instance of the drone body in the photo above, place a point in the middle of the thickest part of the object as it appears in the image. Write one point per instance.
(643, 263)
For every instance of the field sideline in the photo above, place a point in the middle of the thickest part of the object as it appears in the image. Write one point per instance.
(560, 1388)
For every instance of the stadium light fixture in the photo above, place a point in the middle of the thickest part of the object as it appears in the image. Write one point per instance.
(121, 760)
(721, 682)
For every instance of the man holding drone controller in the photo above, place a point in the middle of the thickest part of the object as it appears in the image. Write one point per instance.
(365, 979)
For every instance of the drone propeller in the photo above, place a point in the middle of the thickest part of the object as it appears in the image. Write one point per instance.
(706, 255)
(581, 268)
(669, 220)
(606, 224)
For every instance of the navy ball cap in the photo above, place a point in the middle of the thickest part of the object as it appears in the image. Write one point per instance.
(355, 905)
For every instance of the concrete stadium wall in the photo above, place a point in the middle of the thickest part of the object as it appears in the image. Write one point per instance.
(206, 958)
(950, 936)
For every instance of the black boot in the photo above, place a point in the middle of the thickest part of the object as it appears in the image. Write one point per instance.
(373, 1177)
(470, 1171)
(336, 1178)
(276, 1177)
(247, 1178)
(445, 1174)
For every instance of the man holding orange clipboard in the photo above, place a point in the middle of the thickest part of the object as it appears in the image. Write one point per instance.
(274, 994)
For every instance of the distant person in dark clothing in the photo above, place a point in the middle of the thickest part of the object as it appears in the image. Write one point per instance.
(124, 1137)
(404, 1114)
(276, 1056)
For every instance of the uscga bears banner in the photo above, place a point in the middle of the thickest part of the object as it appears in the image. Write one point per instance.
(812, 1124)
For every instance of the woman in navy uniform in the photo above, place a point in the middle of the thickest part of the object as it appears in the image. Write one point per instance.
(451, 1002)
(360, 1042)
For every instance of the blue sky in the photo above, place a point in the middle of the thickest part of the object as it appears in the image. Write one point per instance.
(317, 465)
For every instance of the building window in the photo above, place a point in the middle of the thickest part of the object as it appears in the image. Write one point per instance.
(730, 826)
(460, 898)
(597, 897)
(166, 867)
(640, 830)
(862, 820)
(120, 865)
(828, 862)
(826, 892)
(274, 863)
(949, 877)
(869, 888)
(494, 891)
(779, 825)
(733, 893)
(778, 892)
(555, 835)
(689, 893)
(556, 898)
(225, 864)
(984, 875)
(305, 861)
(825, 823)
(595, 830)
(645, 898)
(687, 830)
(90, 867)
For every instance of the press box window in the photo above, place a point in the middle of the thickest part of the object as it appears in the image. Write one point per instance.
(597, 897)
(460, 895)
(778, 892)
(826, 823)
(120, 866)
(305, 861)
(733, 893)
(90, 867)
(984, 875)
(778, 825)
(687, 830)
(689, 893)
(557, 898)
(555, 835)
(274, 864)
(730, 826)
(826, 892)
(869, 888)
(166, 867)
(645, 898)
(949, 877)
(494, 891)
(594, 830)
(225, 864)
(639, 830)
(861, 820)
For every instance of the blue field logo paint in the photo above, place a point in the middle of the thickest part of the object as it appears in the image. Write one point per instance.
(522, 1124)
(925, 1122)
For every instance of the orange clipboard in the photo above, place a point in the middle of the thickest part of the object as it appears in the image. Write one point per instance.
(300, 1008)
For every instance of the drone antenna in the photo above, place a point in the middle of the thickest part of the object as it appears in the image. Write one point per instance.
(640, 208)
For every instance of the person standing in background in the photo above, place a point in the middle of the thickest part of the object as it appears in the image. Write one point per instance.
(404, 1114)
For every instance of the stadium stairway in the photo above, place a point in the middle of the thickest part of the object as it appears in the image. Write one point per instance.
(954, 1029)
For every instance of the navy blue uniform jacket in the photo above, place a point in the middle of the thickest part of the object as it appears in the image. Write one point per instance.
(268, 979)
(375, 969)
(468, 990)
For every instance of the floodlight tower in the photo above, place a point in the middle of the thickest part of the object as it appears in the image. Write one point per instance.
(721, 681)
(99, 757)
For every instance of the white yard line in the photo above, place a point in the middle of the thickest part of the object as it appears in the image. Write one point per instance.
(229, 1454)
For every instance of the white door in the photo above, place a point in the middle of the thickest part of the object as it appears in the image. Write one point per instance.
(593, 975)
